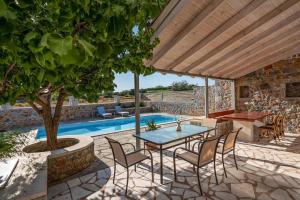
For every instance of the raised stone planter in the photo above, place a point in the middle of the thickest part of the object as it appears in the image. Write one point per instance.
(68, 161)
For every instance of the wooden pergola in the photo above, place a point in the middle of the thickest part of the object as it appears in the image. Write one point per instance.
(224, 39)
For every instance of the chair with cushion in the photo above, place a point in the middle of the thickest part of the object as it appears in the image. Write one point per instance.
(228, 145)
(101, 112)
(119, 111)
(129, 159)
(205, 156)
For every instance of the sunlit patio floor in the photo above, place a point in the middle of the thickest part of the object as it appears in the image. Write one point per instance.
(266, 171)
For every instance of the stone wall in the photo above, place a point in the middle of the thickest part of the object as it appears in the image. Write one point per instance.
(267, 92)
(220, 99)
(26, 116)
(71, 160)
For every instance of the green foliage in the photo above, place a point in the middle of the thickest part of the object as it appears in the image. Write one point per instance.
(75, 44)
(8, 142)
(151, 125)
(182, 86)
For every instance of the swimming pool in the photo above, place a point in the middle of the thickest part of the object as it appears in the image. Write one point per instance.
(100, 127)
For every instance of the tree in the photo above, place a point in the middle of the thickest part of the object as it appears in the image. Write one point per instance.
(182, 86)
(70, 47)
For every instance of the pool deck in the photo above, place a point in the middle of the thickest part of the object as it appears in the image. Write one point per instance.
(266, 171)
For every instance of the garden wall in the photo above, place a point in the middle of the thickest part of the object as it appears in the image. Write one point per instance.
(193, 102)
(26, 116)
(271, 90)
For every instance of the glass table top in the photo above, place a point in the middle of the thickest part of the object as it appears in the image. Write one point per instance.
(169, 134)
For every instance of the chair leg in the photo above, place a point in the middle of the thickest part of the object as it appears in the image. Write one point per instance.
(114, 172)
(174, 162)
(199, 181)
(127, 182)
(224, 165)
(152, 169)
(235, 159)
(215, 172)
(135, 168)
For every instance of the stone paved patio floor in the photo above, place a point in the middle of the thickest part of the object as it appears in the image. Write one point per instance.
(266, 171)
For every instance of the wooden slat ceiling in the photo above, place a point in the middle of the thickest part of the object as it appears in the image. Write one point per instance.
(225, 38)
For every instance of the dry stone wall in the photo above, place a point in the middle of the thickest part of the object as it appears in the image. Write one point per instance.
(267, 88)
(220, 99)
(26, 116)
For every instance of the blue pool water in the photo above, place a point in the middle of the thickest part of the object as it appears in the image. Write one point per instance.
(105, 126)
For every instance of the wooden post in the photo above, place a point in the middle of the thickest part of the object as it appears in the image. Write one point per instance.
(206, 97)
(137, 108)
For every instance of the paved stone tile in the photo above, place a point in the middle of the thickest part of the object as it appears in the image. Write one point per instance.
(79, 193)
(280, 194)
(243, 190)
(266, 171)
(74, 182)
(57, 189)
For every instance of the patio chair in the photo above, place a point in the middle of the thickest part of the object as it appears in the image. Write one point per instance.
(208, 122)
(206, 155)
(119, 111)
(227, 146)
(276, 128)
(129, 159)
(101, 112)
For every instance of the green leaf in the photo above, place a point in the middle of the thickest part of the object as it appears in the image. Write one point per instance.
(104, 50)
(73, 57)
(40, 75)
(29, 36)
(88, 48)
(58, 45)
(6, 12)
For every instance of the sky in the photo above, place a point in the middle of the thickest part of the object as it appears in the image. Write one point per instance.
(125, 81)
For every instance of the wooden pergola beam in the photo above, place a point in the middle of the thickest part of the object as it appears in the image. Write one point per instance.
(216, 33)
(163, 71)
(246, 57)
(266, 18)
(270, 59)
(169, 13)
(201, 17)
(232, 57)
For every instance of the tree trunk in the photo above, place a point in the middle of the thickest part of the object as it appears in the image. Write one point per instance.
(51, 121)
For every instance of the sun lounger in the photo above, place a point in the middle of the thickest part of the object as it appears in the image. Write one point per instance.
(101, 112)
(119, 111)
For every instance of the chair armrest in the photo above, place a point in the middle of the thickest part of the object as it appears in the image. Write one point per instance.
(174, 154)
(145, 150)
(130, 145)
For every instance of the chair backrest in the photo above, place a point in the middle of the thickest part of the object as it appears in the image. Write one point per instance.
(118, 151)
(279, 124)
(118, 108)
(208, 150)
(101, 110)
(230, 139)
(209, 122)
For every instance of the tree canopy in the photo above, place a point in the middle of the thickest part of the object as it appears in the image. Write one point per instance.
(73, 47)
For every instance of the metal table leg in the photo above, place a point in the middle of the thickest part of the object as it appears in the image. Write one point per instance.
(161, 164)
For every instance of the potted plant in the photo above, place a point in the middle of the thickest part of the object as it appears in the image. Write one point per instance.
(151, 126)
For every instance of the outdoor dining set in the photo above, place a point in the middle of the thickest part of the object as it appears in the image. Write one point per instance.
(208, 144)
(203, 152)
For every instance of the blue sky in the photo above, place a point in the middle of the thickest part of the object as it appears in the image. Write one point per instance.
(125, 81)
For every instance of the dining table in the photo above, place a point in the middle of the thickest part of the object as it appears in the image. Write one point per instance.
(250, 122)
(169, 137)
